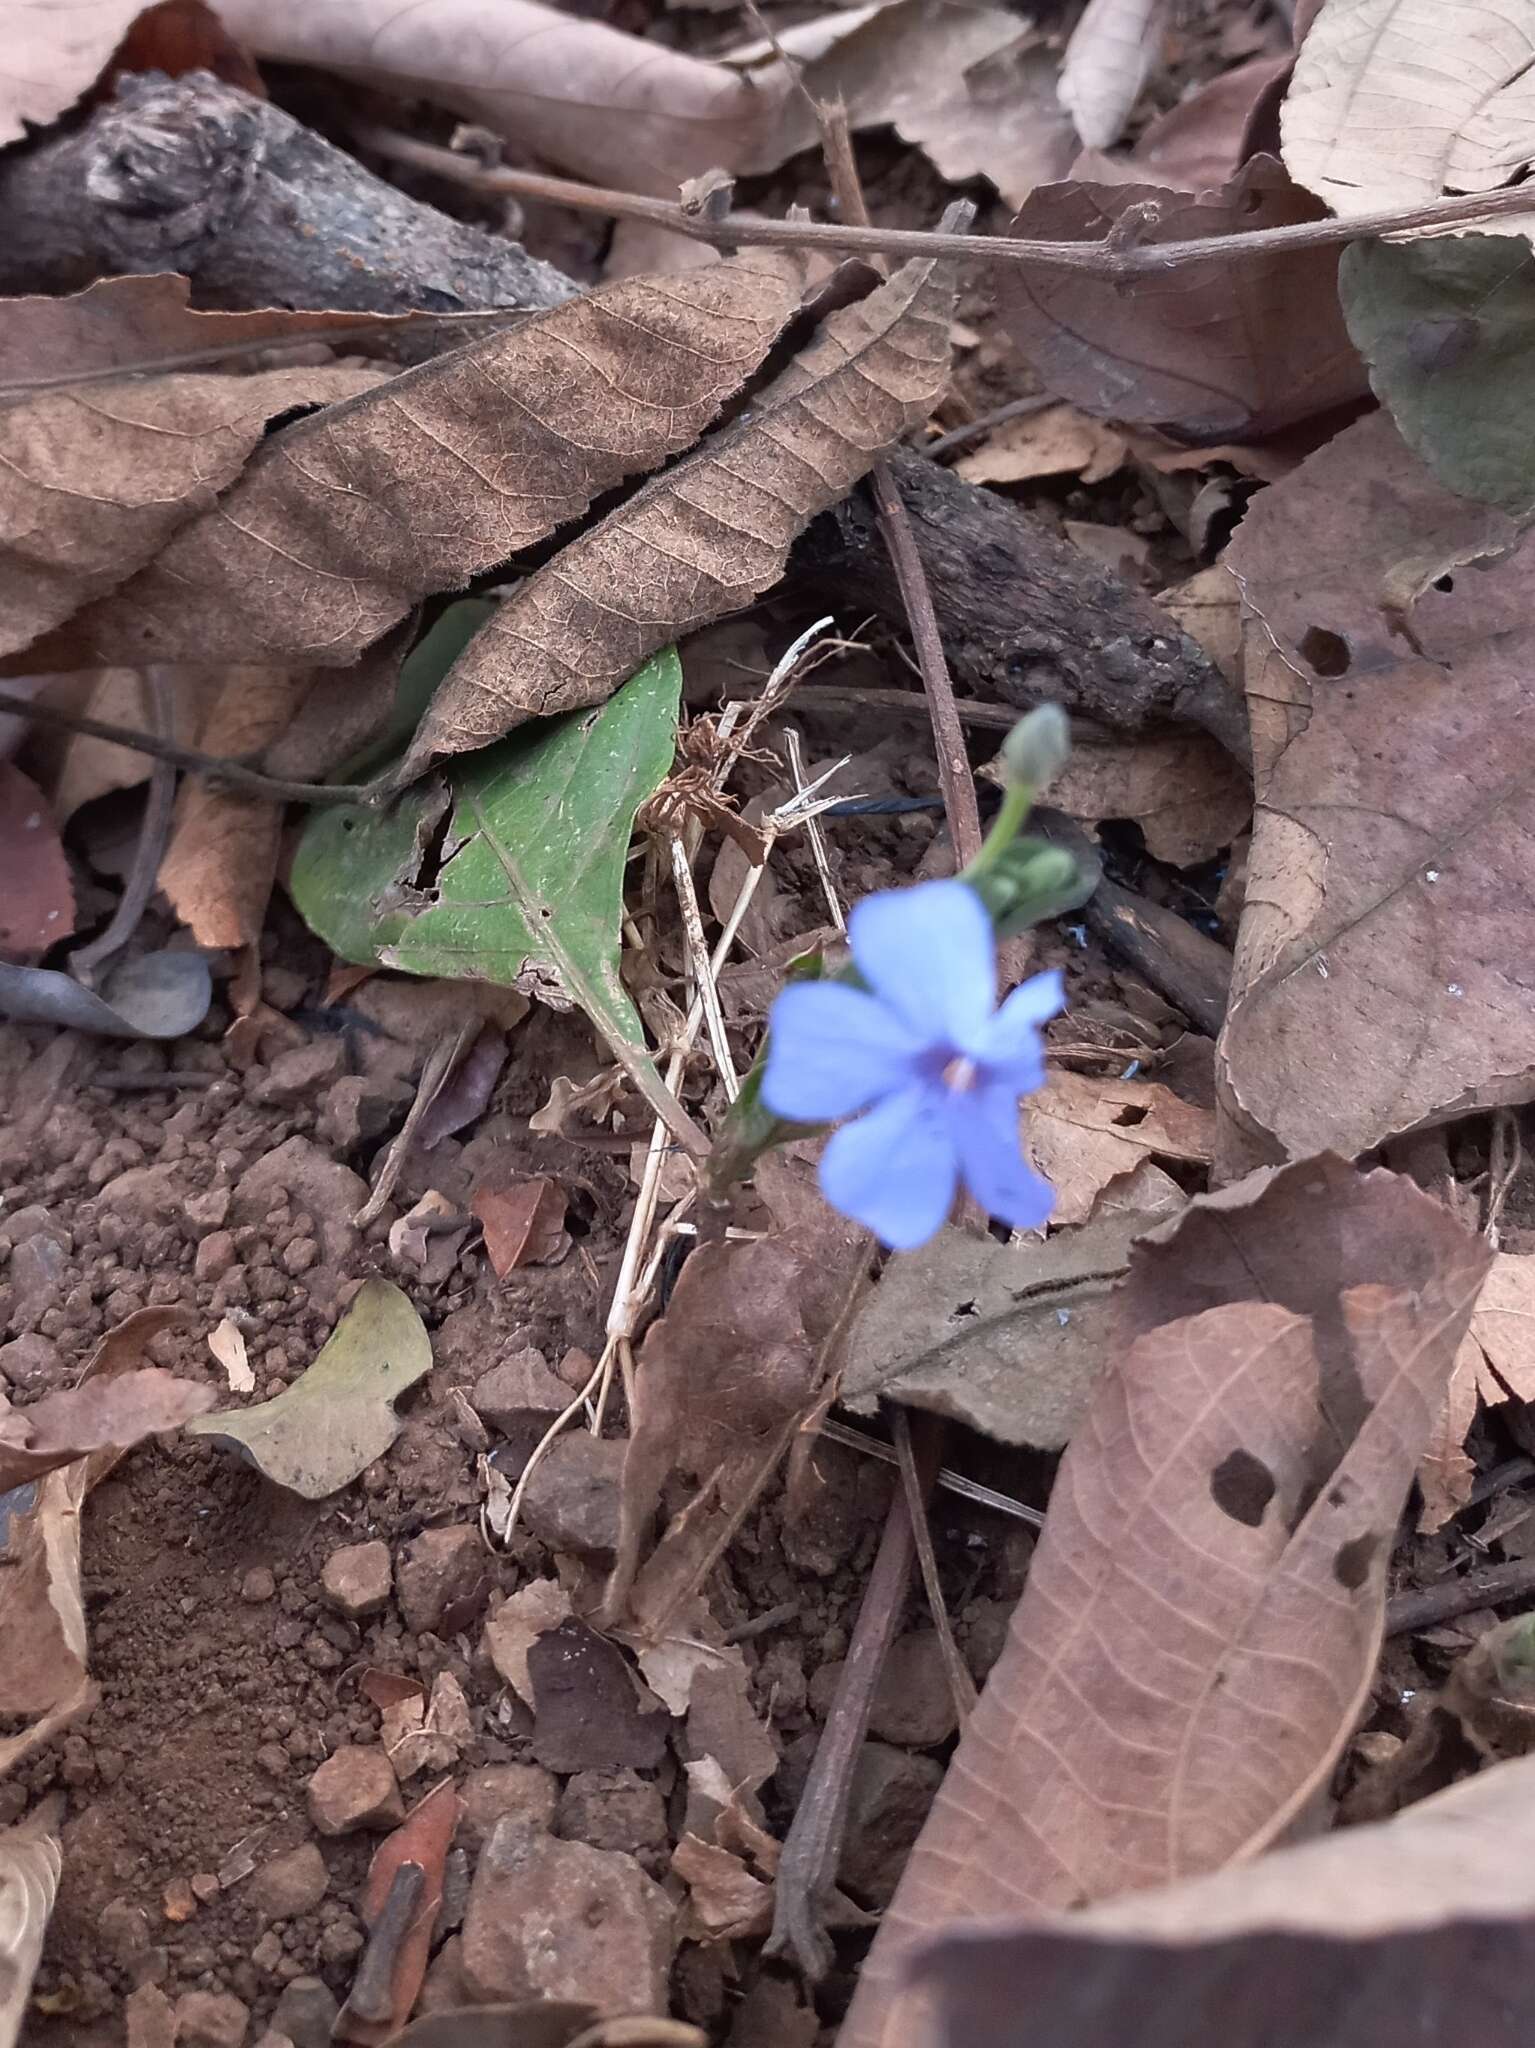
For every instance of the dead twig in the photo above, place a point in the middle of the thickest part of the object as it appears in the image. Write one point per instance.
(1490, 1586)
(214, 768)
(1102, 258)
(961, 1684)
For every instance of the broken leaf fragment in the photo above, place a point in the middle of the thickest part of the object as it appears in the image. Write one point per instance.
(30, 1862)
(316, 1436)
(528, 888)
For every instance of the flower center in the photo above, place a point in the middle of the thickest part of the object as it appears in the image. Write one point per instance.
(959, 1075)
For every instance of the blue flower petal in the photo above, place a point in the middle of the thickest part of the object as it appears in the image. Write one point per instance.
(894, 1170)
(984, 1126)
(833, 1050)
(1009, 1043)
(928, 952)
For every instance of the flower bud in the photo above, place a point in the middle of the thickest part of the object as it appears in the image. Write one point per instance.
(1035, 750)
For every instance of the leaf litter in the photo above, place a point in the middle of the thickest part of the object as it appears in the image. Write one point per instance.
(1370, 617)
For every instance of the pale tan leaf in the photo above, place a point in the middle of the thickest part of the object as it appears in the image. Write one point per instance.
(1107, 61)
(1060, 441)
(94, 482)
(1445, 1473)
(218, 868)
(1209, 608)
(709, 535)
(1204, 1610)
(1378, 978)
(1395, 102)
(228, 1347)
(344, 520)
(1496, 1361)
(1413, 1929)
(1084, 1131)
(973, 87)
(1182, 788)
(55, 50)
(30, 1862)
(576, 93)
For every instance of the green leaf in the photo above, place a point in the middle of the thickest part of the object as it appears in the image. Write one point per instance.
(1447, 327)
(318, 1434)
(526, 887)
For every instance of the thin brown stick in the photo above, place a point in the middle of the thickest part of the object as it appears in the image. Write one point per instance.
(954, 778)
(1490, 1586)
(972, 430)
(1096, 259)
(961, 1684)
(214, 767)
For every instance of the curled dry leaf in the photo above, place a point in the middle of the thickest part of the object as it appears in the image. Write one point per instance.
(1058, 441)
(55, 50)
(1415, 1927)
(110, 1411)
(222, 857)
(1397, 101)
(1211, 1576)
(524, 1224)
(517, 1623)
(38, 906)
(1084, 1132)
(1207, 138)
(30, 1862)
(710, 534)
(1188, 796)
(613, 109)
(1214, 349)
(44, 1683)
(1377, 979)
(1107, 61)
(94, 482)
(344, 520)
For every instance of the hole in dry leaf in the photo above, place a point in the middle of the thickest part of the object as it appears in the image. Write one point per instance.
(1326, 652)
(1242, 1486)
(1444, 583)
(1132, 1113)
(1351, 1566)
(962, 1308)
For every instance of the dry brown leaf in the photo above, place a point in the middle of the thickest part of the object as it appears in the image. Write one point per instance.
(1060, 441)
(30, 1862)
(343, 521)
(524, 1224)
(973, 87)
(710, 534)
(109, 1412)
(55, 50)
(1181, 787)
(1204, 1610)
(1216, 349)
(43, 1677)
(1207, 138)
(38, 906)
(422, 1838)
(1084, 1132)
(726, 1376)
(1107, 61)
(725, 1901)
(611, 108)
(1398, 101)
(1378, 978)
(1413, 1929)
(94, 482)
(1496, 1362)
(219, 866)
(1209, 609)
(145, 323)
(517, 1623)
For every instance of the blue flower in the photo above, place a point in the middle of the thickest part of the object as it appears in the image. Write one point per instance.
(925, 1053)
